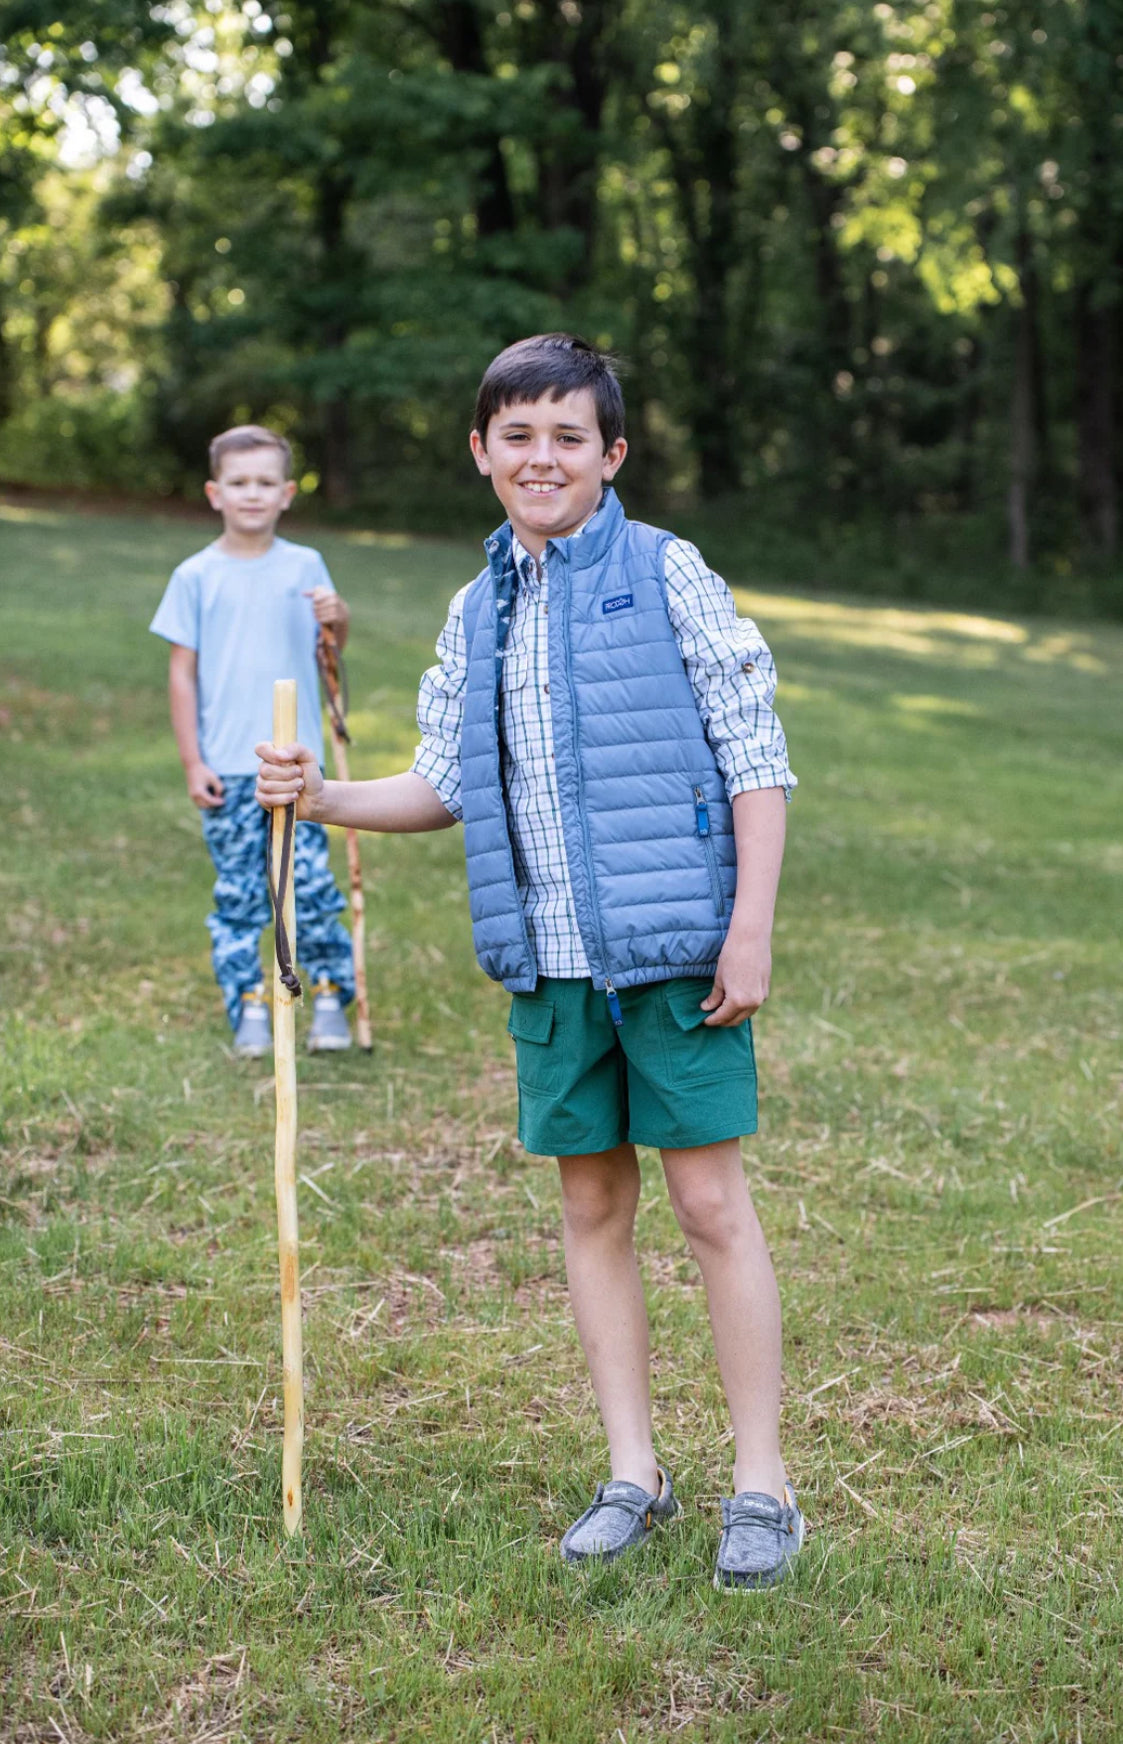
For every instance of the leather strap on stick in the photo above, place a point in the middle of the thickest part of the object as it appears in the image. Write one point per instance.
(334, 678)
(279, 886)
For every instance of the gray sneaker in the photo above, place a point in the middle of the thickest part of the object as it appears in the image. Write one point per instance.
(620, 1515)
(253, 1038)
(330, 1033)
(760, 1538)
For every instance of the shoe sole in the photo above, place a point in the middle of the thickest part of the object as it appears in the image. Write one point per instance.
(329, 1045)
(254, 1053)
(727, 1582)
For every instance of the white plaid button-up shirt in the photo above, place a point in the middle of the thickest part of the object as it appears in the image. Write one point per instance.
(734, 681)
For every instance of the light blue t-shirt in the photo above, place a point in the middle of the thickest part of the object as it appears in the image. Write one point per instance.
(249, 623)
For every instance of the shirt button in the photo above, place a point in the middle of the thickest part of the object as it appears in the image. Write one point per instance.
(748, 666)
(546, 689)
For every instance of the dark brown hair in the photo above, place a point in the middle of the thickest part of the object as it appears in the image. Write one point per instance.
(241, 439)
(556, 364)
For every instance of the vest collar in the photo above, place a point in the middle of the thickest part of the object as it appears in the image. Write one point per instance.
(588, 546)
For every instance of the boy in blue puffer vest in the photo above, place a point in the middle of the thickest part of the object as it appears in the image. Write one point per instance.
(602, 722)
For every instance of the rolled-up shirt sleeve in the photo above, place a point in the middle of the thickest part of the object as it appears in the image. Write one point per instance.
(732, 673)
(440, 712)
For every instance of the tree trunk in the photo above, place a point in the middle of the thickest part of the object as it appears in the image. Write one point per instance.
(337, 266)
(7, 374)
(825, 201)
(1025, 413)
(458, 31)
(702, 147)
(716, 399)
(1095, 420)
(335, 453)
(590, 88)
(968, 414)
(569, 154)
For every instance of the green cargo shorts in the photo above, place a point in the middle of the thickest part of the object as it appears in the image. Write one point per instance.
(663, 1078)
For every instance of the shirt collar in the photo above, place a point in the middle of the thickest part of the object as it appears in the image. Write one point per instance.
(527, 571)
(530, 573)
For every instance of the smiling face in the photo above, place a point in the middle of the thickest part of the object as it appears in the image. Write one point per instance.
(547, 463)
(251, 491)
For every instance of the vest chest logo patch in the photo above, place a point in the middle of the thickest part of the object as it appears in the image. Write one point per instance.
(620, 602)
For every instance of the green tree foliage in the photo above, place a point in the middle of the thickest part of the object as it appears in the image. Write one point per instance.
(863, 261)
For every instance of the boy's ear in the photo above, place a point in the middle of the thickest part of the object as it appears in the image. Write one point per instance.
(212, 489)
(290, 492)
(479, 453)
(613, 459)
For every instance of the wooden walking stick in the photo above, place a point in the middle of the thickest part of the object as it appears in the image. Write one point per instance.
(331, 672)
(286, 992)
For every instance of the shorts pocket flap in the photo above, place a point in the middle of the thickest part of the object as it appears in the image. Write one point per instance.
(684, 1002)
(530, 1022)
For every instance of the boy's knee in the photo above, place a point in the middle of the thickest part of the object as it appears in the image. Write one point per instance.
(593, 1203)
(716, 1213)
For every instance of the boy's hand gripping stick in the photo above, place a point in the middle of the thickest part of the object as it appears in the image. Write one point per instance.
(286, 991)
(331, 673)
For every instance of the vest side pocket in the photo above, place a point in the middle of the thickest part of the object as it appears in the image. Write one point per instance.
(702, 826)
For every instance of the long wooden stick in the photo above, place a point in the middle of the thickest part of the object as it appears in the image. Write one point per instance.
(284, 1067)
(329, 667)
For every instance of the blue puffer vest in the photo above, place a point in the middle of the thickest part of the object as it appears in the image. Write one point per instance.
(647, 827)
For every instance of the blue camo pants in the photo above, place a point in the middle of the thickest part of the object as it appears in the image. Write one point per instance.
(235, 834)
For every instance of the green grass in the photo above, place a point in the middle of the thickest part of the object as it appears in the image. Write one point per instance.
(939, 1174)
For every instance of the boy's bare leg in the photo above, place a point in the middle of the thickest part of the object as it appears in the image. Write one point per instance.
(715, 1212)
(600, 1193)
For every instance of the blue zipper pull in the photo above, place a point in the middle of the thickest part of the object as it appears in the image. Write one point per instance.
(614, 1011)
(701, 812)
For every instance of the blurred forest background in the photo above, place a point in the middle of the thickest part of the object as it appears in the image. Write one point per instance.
(863, 261)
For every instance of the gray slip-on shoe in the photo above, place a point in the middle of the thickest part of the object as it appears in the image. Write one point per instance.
(330, 1032)
(620, 1515)
(760, 1538)
(253, 1038)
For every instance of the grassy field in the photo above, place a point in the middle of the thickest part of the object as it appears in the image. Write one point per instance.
(938, 1171)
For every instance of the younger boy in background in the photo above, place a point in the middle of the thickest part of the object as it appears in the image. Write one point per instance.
(240, 613)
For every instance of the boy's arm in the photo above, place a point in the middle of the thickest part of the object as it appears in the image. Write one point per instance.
(426, 797)
(733, 677)
(397, 803)
(731, 672)
(204, 787)
(744, 968)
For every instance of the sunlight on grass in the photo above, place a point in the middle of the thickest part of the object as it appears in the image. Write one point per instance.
(21, 514)
(1073, 648)
(979, 641)
(380, 541)
(935, 705)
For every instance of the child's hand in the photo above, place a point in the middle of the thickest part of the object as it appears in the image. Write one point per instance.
(328, 607)
(287, 773)
(741, 981)
(204, 787)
